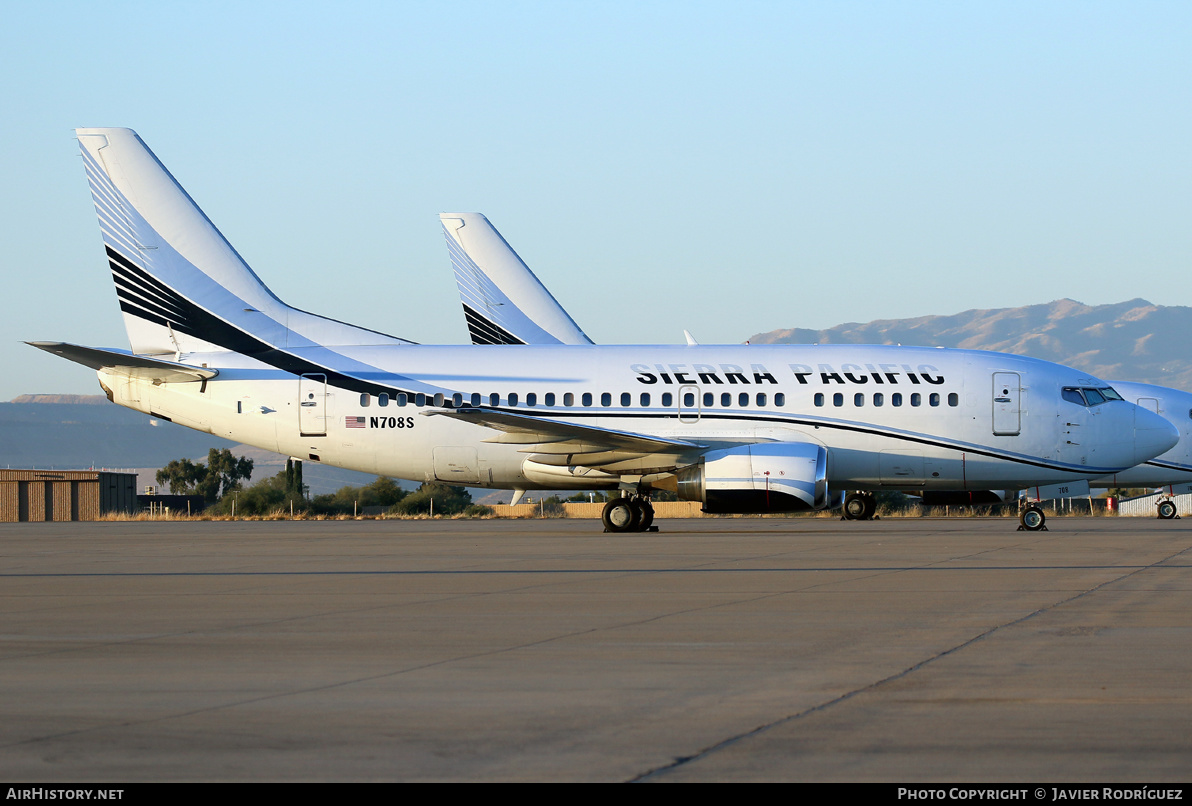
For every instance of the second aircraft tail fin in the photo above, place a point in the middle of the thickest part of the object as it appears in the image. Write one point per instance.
(504, 302)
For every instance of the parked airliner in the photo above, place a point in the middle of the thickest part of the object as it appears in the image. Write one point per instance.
(505, 303)
(739, 428)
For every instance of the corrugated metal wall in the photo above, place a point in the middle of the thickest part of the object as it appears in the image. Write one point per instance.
(64, 495)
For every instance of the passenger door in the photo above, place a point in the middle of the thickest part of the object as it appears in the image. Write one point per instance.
(1007, 404)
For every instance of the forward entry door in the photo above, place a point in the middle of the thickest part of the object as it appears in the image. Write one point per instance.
(1007, 404)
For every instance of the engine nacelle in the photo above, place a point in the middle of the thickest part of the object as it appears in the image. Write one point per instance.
(766, 477)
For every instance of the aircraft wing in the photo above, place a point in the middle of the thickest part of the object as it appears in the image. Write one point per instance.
(592, 445)
(504, 302)
(134, 366)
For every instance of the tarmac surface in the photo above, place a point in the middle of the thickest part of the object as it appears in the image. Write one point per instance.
(916, 650)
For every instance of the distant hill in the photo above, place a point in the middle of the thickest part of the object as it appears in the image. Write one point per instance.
(81, 400)
(1128, 341)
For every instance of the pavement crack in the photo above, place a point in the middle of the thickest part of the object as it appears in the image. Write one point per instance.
(682, 761)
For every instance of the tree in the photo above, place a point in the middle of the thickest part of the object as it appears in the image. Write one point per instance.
(181, 476)
(222, 474)
(383, 492)
(448, 500)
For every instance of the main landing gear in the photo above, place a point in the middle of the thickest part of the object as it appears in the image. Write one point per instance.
(859, 507)
(631, 514)
(1167, 509)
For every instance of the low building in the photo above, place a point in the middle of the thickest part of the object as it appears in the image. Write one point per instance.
(65, 495)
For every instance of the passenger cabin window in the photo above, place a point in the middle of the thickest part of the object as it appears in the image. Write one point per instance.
(645, 398)
(475, 399)
(494, 399)
(878, 398)
(743, 399)
(531, 398)
(382, 400)
(896, 399)
(819, 398)
(439, 399)
(626, 399)
(548, 399)
(402, 399)
(838, 399)
(859, 399)
(726, 399)
(606, 398)
(420, 399)
(689, 399)
(568, 399)
(513, 398)
(779, 399)
(953, 399)
(668, 400)
(457, 399)
(709, 400)
(761, 398)
(916, 399)
(365, 399)
(935, 398)
(587, 398)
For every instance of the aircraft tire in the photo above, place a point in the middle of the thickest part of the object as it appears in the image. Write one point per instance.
(621, 515)
(870, 507)
(647, 515)
(1032, 519)
(855, 507)
(1167, 510)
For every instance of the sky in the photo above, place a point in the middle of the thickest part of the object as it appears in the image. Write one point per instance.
(728, 168)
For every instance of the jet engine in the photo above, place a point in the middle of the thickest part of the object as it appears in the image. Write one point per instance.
(766, 477)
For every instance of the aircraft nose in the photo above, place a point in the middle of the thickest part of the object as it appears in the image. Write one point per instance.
(1153, 435)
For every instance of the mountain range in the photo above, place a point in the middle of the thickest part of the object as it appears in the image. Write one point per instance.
(1128, 341)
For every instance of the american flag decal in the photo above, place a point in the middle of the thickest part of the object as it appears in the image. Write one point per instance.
(354, 422)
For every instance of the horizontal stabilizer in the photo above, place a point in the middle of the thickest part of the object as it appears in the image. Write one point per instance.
(134, 366)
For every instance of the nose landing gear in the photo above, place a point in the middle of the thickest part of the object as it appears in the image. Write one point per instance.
(1032, 519)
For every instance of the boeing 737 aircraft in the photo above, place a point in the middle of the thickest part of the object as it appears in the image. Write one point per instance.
(505, 303)
(739, 428)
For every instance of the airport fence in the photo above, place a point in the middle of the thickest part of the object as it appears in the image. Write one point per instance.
(1144, 505)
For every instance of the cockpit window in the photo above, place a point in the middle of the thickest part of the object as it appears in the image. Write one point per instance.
(1089, 396)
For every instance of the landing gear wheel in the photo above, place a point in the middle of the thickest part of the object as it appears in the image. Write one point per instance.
(1032, 519)
(1167, 510)
(855, 507)
(870, 507)
(647, 517)
(621, 515)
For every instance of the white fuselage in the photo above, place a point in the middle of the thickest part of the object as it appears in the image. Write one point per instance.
(890, 417)
(1172, 467)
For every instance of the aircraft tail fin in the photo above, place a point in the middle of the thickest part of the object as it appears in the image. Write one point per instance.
(504, 302)
(181, 286)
